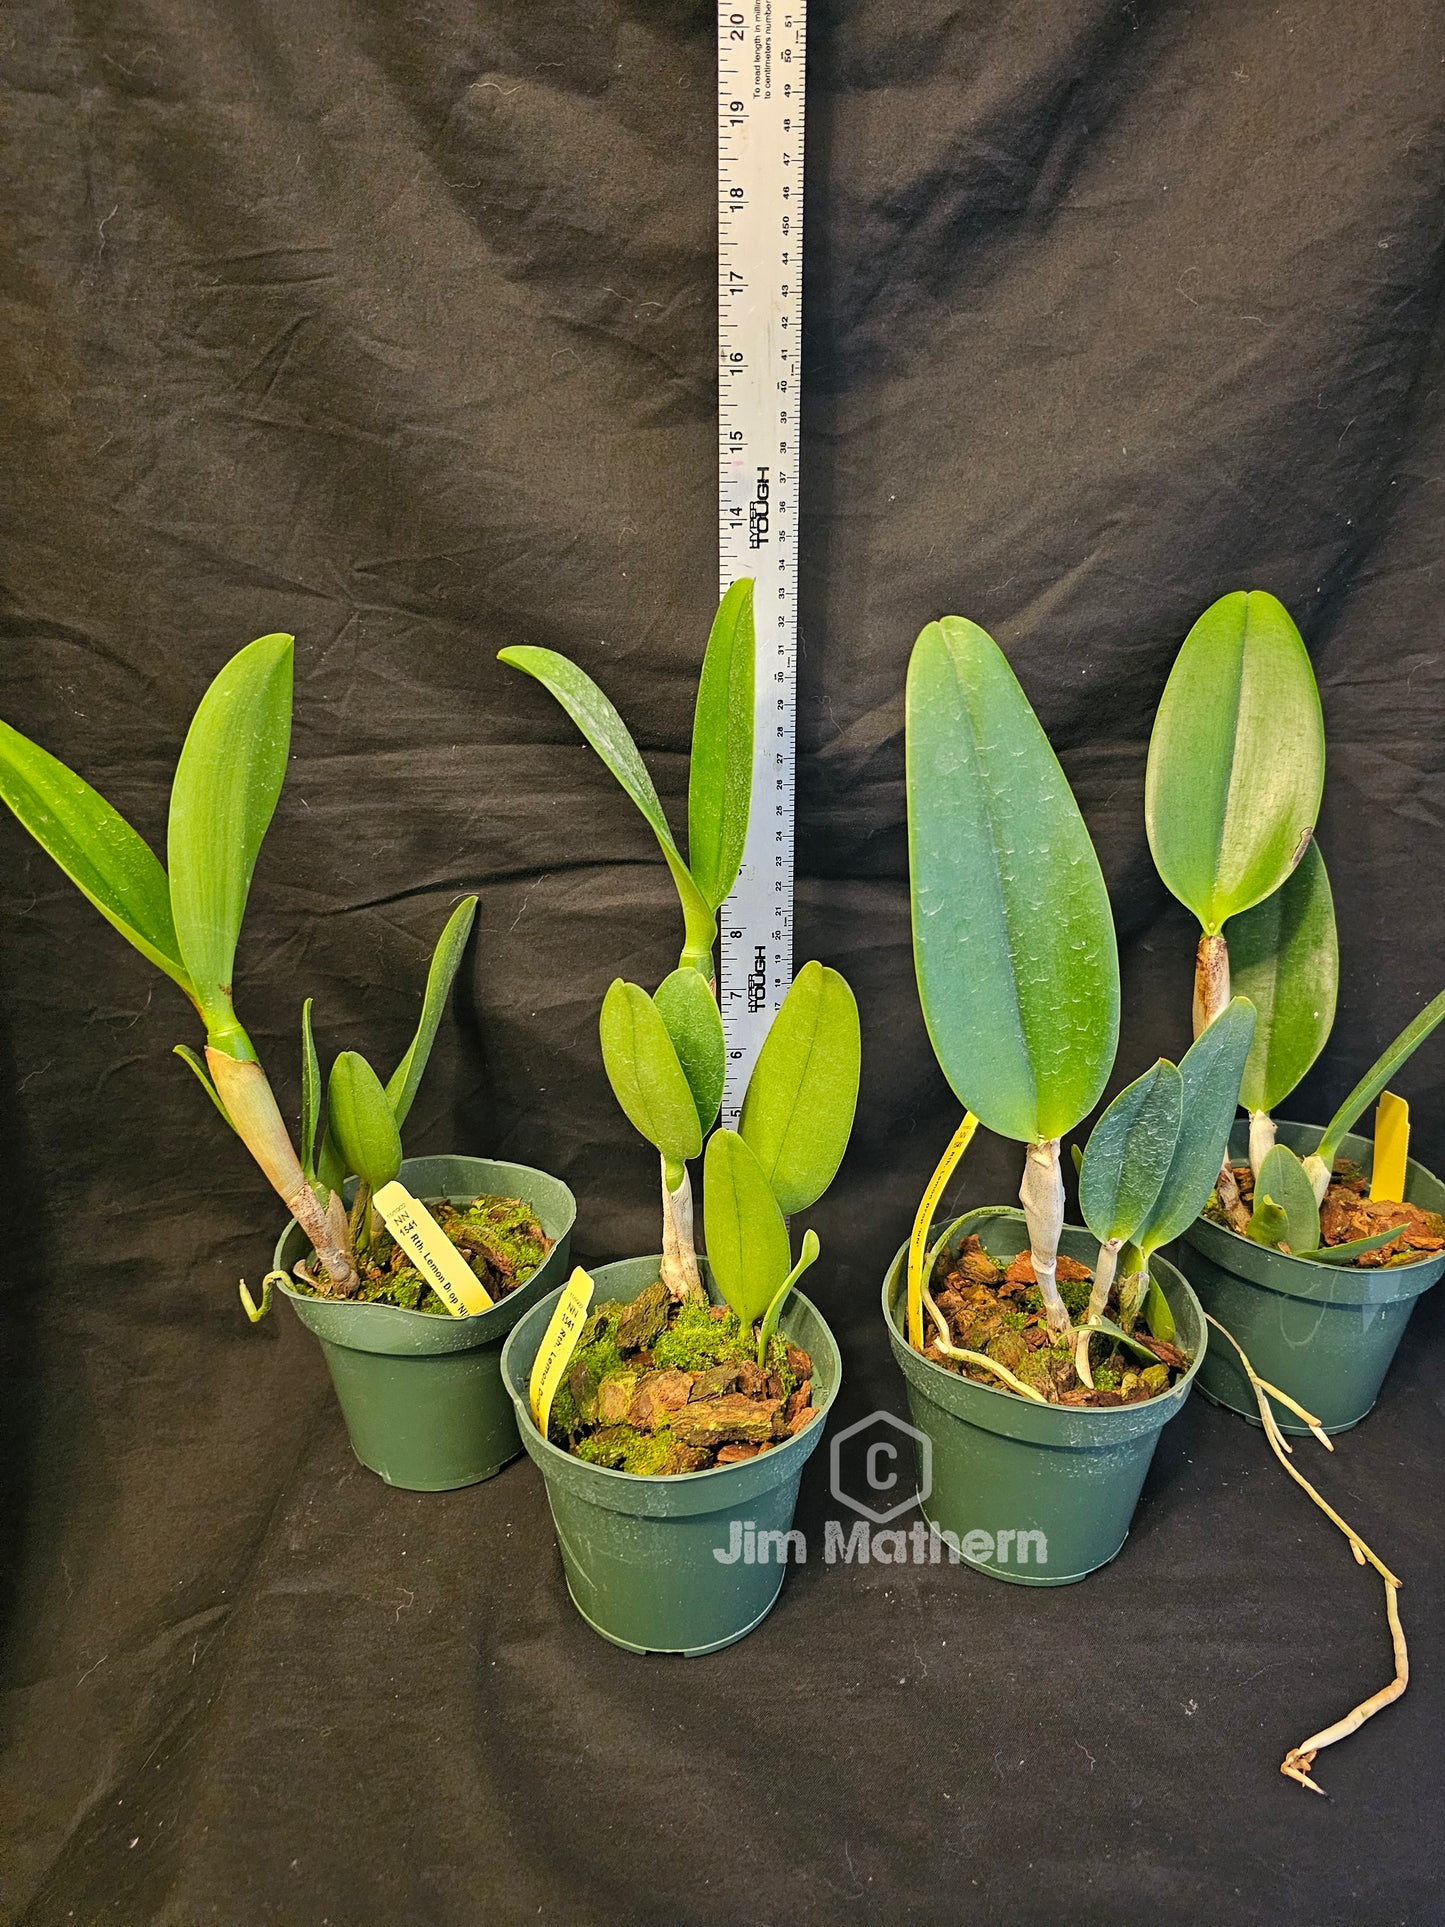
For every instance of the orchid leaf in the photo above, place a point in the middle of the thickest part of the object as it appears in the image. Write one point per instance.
(225, 790)
(1013, 940)
(203, 1077)
(1120, 1336)
(1268, 1223)
(803, 1092)
(646, 1074)
(720, 773)
(807, 1257)
(1380, 1073)
(605, 730)
(1284, 955)
(689, 1010)
(359, 1113)
(105, 859)
(1157, 1315)
(747, 1240)
(1346, 1254)
(1284, 1181)
(402, 1085)
(1236, 759)
(1210, 1071)
(1129, 1153)
(310, 1094)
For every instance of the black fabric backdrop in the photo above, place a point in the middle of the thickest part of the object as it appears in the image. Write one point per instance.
(394, 326)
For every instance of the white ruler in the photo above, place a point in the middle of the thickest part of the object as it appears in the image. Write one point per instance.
(761, 47)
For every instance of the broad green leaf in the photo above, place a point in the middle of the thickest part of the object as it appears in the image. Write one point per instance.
(227, 781)
(1268, 1222)
(1236, 759)
(1129, 1153)
(646, 1074)
(310, 1094)
(747, 1240)
(203, 1077)
(720, 775)
(1210, 1070)
(689, 1010)
(798, 1110)
(359, 1113)
(1346, 1254)
(605, 730)
(97, 849)
(1285, 957)
(1378, 1076)
(1013, 941)
(402, 1085)
(1284, 1181)
(1157, 1315)
(807, 1257)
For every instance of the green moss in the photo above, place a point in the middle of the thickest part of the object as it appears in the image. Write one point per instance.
(625, 1449)
(1105, 1381)
(778, 1362)
(1075, 1294)
(695, 1339)
(1015, 1321)
(575, 1402)
(500, 1238)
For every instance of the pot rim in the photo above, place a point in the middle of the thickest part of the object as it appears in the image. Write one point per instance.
(1315, 1264)
(527, 1425)
(1166, 1402)
(429, 1318)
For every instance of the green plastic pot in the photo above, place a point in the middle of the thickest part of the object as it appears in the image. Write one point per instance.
(995, 1465)
(422, 1393)
(1323, 1333)
(638, 1553)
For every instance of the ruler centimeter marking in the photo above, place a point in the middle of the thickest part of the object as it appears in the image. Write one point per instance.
(761, 48)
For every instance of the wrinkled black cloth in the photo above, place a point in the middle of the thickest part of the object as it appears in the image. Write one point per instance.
(394, 327)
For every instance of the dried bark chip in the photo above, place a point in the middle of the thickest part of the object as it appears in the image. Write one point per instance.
(716, 1421)
(735, 1453)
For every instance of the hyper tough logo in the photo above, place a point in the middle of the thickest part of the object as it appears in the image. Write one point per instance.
(759, 511)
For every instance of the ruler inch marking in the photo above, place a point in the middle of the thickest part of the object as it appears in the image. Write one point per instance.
(761, 123)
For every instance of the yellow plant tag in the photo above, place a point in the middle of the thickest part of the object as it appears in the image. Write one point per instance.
(432, 1251)
(559, 1341)
(1392, 1148)
(918, 1243)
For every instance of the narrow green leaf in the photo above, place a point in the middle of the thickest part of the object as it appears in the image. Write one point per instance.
(645, 1072)
(1120, 1336)
(227, 781)
(310, 1094)
(1076, 1152)
(1157, 1315)
(720, 775)
(803, 1092)
(689, 1010)
(1236, 759)
(359, 1114)
(1378, 1076)
(203, 1076)
(402, 1085)
(330, 1164)
(1285, 957)
(774, 1312)
(747, 1240)
(97, 849)
(1268, 1222)
(1129, 1153)
(1210, 1070)
(1357, 1247)
(1284, 1181)
(1013, 941)
(605, 730)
